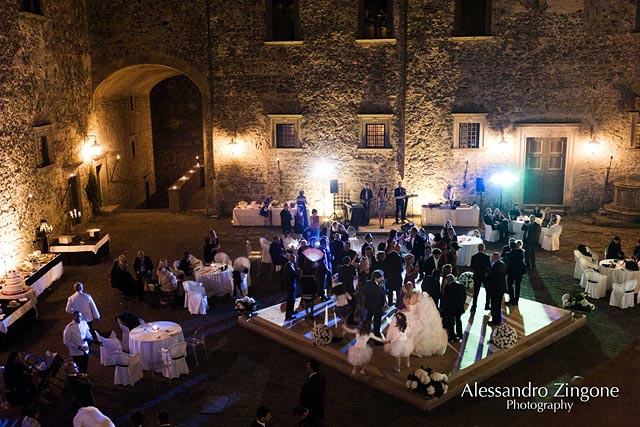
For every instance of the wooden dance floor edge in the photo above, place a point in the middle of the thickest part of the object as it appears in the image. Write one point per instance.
(394, 385)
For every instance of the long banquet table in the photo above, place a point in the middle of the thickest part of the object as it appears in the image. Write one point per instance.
(460, 217)
(249, 215)
(84, 250)
(44, 277)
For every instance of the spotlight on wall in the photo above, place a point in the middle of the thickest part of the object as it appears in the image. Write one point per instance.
(593, 144)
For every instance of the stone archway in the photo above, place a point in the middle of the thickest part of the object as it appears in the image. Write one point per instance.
(121, 121)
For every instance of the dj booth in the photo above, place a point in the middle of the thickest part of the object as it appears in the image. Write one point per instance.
(354, 213)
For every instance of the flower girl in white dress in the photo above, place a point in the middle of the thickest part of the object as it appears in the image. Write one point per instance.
(398, 344)
(360, 353)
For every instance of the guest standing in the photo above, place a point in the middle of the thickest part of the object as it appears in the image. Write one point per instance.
(263, 416)
(382, 205)
(42, 235)
(366, 195)
(393, 274)
(77, 338)
(312, 393)
(530, 238)
(400, 195)
(496, 281)
(374, 300)
(360, 353)
(265, 210)
(453, 299)
(289, 275)
(614, 250)
(83, 302)
(515, 270)
(301, 201)
(211, 246)
(285, 219)
(480, 265)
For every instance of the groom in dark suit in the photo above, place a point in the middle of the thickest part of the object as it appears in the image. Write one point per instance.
(497, 284)
(480, 265)
(374, 300)
(312, 394)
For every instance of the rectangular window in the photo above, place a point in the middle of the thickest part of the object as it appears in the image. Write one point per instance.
(285, 135)
(282, 20)
(31, 6)
(376, 19)
(469, 135)
(468, 130)
(472, 18)
(43, 138)
(637, 27)
(375, 136)
(635, 129)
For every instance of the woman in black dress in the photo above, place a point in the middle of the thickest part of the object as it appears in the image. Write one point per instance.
(211, 246)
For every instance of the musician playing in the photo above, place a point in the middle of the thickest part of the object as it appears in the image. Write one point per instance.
(449, 195)
(400, 194)
(366, 195)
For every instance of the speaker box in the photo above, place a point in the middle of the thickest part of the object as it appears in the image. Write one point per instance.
(333, 186)
(480, 185)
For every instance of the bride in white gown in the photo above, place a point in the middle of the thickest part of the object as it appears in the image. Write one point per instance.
(426, 331)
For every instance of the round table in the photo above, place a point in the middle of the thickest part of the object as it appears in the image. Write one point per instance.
(468, 248)
(148, 341)
(216, 282)
(616, 274)
(515, 228)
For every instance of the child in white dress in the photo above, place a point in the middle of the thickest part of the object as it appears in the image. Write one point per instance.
(398, 344)
(360, 353)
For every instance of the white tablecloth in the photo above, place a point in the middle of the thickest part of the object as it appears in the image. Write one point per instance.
(25, 306)
(144, 340)
(468, 248)
(619, 274)
(48, 278)
(515, 227)
(460, 217)
(249, 216)
(80, 248)
(216, 283)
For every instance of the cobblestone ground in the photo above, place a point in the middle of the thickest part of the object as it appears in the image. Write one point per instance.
(250, 370)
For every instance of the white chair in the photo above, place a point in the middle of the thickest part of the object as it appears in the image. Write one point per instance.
(622, 294)
(551, 240)
(185, 286)
(594, 283)
(125, 336)
(240, 263)
(174, 362)
(128, 368)
(222, 258)
(266, 256)
(107, 347)
(196, 299)
(491, 235)
(582, 263)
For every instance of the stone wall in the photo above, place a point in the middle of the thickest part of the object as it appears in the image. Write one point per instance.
(46, 80)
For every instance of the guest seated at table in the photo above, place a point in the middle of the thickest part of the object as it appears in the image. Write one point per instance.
(19, 382)
(555, 220)
(444, 232)
(277, 252)
(285, 219)
(121, 278)
(129, 320)
(167, 281)
(515, 212)
(632, 265)
(143, 268)
(502, 223)
(188, 263)
(451, 236)
(546, 217)
(488, 217)
(210, 246)
(537, 212)
(614, 250)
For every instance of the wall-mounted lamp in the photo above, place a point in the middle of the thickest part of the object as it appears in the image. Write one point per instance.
(113, 171)
(197, 161)
(593, 144)
(23, 214)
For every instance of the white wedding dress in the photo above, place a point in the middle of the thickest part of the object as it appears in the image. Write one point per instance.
(425, 327)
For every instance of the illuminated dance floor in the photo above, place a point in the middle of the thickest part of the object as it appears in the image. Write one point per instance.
(474, 359)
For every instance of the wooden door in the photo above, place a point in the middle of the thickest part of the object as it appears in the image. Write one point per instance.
(544, 171)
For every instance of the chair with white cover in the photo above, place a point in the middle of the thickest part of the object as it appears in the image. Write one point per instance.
(125, 336)
(222, 258)
(128, 368)
(107, 347)
(240, 264)
(185, 286)
(582, 263)
(198, 340)
(196, 298)
(594, 283)
(622, 294)
(551, 240)
(174, 362)
(491, 235)
(266, 256)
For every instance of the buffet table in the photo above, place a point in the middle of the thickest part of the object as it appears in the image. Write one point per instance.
(83, 250)
(150, 338)
(45, 275)
(15, 306)
(468, 248)
(616, 273)
(249, 215)
(460, 217)
(216, 282)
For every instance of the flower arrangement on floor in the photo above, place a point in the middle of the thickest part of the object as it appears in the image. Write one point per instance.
(504, 336)
(466, 279)
(246, 304)
(321, 334)
(428, 383)
(577, 300)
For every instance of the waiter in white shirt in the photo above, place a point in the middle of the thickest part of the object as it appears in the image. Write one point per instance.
(77, 337)
(83, 302)
(449, 194)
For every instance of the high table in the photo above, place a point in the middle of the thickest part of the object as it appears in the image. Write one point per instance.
(83, 250)
(216, 282)
(617, 274)
(45, 275)
(249, 215)
(148, 341)
(468, 248)
(460, 217)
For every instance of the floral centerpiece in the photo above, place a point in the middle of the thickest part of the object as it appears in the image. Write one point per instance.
(577, 300)
(466, 279)
(321, 334)
(504, 336)
(246, 304)
(428, 383)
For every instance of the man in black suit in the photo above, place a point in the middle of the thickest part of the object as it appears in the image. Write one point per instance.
(336, 248)
(368, 243)
(263, 416)
(515, 269)
(415, 243)
(496, 282)
(431, 285)
(374, 300)
(480, 265)
(400, 195)
(289, 274)
(393, 274)
(366, 195)
(530, 238)
(453, 299)
(348, 251)
(312, 394)
(434, 262)
(488, 217)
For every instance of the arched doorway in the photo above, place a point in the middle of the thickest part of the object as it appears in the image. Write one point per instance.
(135, 171)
